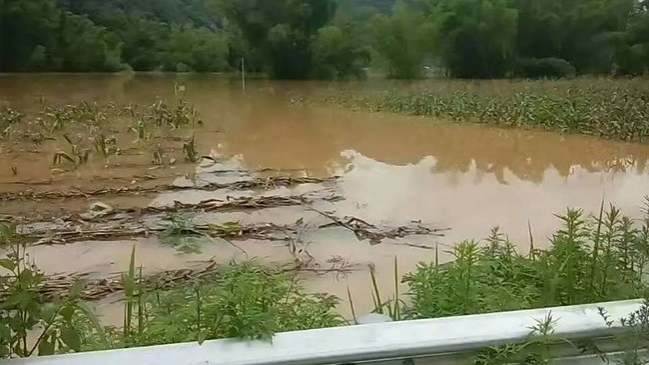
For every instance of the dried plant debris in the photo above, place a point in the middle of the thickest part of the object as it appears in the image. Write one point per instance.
(58, 286)
(375, 234)
(253, 183)
(184, 232)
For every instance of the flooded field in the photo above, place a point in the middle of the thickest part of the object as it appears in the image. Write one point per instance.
(317, 188)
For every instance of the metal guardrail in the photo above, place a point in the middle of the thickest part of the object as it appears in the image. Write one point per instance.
(448, 339)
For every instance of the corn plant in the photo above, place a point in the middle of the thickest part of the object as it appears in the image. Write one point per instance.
(181, 233)
(8, 117)
(77, 155)
(158, 156)
(190, 150)
(613, 109)
(105, 146)
(140, 131)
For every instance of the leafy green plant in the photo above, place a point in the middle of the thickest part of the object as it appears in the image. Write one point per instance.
(633, 339)
(22, 313)
(241, 300)
(159, 113)
(534, 350)
(181, 233)
(59, 117)
(590, 259)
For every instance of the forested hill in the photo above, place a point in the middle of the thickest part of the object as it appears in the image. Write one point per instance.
(301, 39)
(383, 5)
(181, 12)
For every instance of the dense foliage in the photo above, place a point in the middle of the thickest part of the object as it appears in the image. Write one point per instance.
(590, 259)
(530, 38)
(615, 109)
(329, 38)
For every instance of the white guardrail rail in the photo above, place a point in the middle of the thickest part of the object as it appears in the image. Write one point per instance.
(449, 340)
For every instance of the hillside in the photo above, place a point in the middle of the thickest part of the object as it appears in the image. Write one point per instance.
(383, 5)
(178, 12)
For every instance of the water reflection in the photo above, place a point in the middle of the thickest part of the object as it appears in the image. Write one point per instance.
(474, 200)
(274, 134)
(412, 158)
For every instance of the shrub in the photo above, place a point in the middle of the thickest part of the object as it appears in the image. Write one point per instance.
(553, 68)
(590, 259)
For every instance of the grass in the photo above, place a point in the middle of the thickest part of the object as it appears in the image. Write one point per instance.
(613, 109)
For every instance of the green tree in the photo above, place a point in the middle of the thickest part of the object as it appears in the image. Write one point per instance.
(597, 28)
(633, 51)
(38, 35)
(144, 42)
(402, 39)
(26, 27)
(85, 47)
(281, 33)
(477, 38)
(198, 48)
(337, 53)
(541, 28)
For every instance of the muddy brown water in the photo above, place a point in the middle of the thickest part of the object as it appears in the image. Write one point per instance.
(393, 170)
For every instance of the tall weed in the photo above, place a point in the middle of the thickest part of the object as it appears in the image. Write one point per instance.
(590, 259)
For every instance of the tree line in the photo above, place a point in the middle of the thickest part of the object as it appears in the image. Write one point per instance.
(329, 39)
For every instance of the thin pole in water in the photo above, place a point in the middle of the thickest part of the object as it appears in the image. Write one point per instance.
(243, 74)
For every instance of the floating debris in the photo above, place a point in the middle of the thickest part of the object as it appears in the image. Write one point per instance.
(255, 183)
(364, 230)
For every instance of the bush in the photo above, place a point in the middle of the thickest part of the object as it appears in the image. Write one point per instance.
(239, 301)
(182, 68)
(535, 68)
(590, 259)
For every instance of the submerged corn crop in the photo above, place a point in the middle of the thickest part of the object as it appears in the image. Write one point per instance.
(610, 109)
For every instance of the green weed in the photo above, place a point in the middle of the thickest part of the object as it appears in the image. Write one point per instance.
(181, 233)
(241, 301)
(590, 259)
(23, 314)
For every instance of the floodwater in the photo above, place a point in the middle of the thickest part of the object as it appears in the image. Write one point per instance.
(393, 170)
